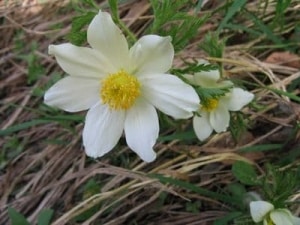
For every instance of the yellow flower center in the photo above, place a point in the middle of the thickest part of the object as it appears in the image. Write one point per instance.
(120, 90)
(210, 104)
(269, 221)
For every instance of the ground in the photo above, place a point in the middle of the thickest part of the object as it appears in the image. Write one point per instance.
(42, 160)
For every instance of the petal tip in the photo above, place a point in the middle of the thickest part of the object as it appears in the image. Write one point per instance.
(149, 158)
(51, 49)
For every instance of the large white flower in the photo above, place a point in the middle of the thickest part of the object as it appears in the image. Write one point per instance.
(214, 112)
(121, 87)
(264, 211)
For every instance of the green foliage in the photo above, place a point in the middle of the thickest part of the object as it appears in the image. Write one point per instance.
(227, 218)
(113, 4)
(193, 67)
(237, 125)
(245, 173)
(11, 149)
(77, 35)
(285, 93)
(206, 94)
(87, 10)
(89, 189)
(212, 45)
(62, 119)
(232, 10)
(16, 218)
(194, 188)
(264, 28)
(277, 185)
(45, 216)
(193, 207)
(281, 6)
(34, 67)
(237, 190)
(171, 19)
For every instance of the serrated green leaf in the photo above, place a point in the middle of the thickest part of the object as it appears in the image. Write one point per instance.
(80, 21)
(45, 216)
(245, 173)
(194, 67)
(213, 45)
(16, 218)
(207, 94)
(171, 18)
(76, 36)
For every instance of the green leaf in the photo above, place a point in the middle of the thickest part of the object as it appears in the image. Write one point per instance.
(193, 67)
(245, 173)
(17, 218)
(194, 188)
(213, 45)
(207, 94)
(113, 4)
(233, 9)
(237, 190)
(77, 36)
(172, 18)
(284, 93)
(259, 24)
(44, 217)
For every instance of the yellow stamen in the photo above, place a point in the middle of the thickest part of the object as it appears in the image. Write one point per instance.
(269, 221)
(210, 104)
(120, 90)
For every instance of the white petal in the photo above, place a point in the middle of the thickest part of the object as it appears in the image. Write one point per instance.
(281, 217)
(259, 209)
(152, 54)
(170, 95)
(141, 129)
(190, 79)
(207, 78)
(296, 220)
(104, 36)
(238, 98)
(73, 94)
(81, 61)
(102, 131)
(219, 118)
(202, 127)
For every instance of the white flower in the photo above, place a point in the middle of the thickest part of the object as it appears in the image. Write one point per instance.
(214, 112)
(264, 211)
(121, 87)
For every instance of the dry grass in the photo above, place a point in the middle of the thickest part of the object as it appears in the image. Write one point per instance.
(46, 174)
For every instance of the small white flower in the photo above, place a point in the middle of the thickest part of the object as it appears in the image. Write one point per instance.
(264, 211)
(214, 112)
(121, 87)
